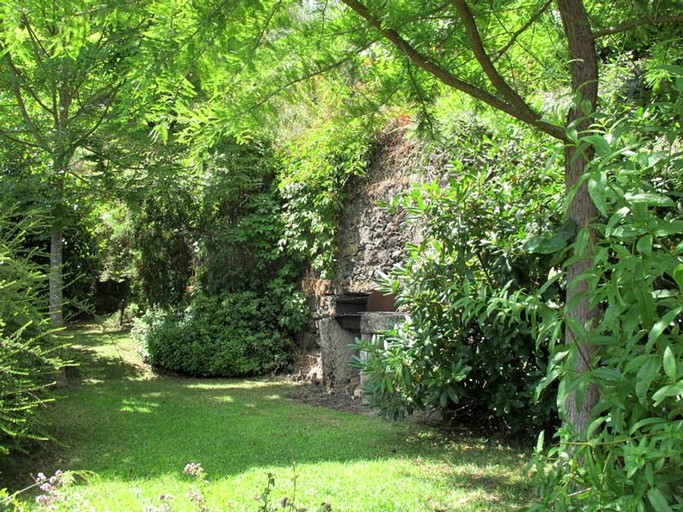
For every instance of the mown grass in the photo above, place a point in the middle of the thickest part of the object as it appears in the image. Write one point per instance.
(135, 431)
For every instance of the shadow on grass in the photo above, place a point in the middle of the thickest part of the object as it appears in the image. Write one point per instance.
(101, 355)
(123, 423)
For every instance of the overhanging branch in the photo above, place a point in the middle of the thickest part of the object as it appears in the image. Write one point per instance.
(630, 25)
(448, 78)
(515, 35)
(511, 96)
(18, 96)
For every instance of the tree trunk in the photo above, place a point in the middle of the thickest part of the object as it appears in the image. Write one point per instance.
(56, 274)
(56, 278)
(584, 72)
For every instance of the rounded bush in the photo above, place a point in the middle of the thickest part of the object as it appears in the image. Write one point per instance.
(234, 334)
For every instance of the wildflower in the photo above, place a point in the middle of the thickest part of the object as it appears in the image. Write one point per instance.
(195, 497)
(193, 469)
(46, 487)
(40, 477)
(44, 500)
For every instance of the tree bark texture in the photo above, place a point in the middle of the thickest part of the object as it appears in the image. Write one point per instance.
(584, 76)
(56, 277)
(56, 274)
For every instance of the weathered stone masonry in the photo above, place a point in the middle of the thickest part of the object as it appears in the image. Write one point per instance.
(370, 239)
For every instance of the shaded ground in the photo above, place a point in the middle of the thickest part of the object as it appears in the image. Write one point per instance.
(317, 396)
(136, 429)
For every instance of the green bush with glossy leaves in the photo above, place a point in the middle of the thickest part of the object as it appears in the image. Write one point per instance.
(631, 456)
(467, 348)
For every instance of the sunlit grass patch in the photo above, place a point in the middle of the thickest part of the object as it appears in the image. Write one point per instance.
(136, 431)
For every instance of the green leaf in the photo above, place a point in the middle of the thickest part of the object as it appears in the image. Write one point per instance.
(540, 441)
(669, 363)
(666, 227)
(596, 189)
(678, 276)
(645, 377)
(644, 245)
(679, 84)
(662, 324)
(658, 501)
(671, 68)
(548, 245)
(666, 391)
(651, 199)
(644, 423)
(600, 143)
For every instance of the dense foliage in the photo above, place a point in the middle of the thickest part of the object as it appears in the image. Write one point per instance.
(28, 363)
(630, 457)
(315, 166)
(484, 237)
(232, 334)
(172, 170)
(215, 271)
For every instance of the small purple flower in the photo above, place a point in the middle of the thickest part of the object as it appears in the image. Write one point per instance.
(46, 487)
(41, 477)
(45, 501)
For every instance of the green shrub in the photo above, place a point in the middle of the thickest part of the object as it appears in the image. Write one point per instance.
(27, 360)
(467, 345)
(631, 456)
(233, 334)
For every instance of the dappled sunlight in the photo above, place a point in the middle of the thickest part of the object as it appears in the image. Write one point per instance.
(138, 406)
(380, 485)
(225, 398)
(136, 434)
(219, 384)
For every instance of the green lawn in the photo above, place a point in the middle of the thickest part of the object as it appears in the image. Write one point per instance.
(136, 431)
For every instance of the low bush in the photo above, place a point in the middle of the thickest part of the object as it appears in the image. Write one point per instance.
(28, 363)
(467, 346)
(233, 334)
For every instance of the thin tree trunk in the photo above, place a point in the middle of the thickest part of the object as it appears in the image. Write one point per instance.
(584, 72)
(56, 277)
(56, 274)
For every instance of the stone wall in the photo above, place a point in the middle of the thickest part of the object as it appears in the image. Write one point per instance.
(370, 239)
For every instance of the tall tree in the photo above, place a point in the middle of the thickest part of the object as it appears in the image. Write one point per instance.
(63, 66)
(487, 50)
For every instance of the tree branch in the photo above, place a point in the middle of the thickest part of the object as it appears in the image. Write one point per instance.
(299, 79)
(18, 140)
(630, 25)
(515, 35)
(449, 79)
(511, 96)
(101, 119)
(16, 89)
(38, 48)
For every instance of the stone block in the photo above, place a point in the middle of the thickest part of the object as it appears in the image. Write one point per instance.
(336, 354)
(374, 322)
